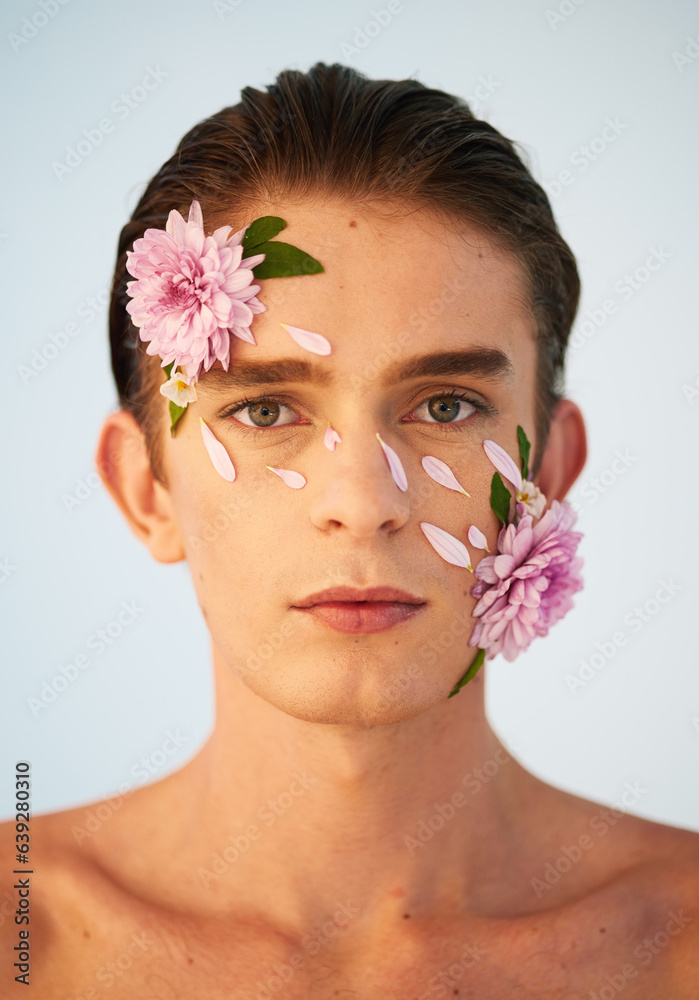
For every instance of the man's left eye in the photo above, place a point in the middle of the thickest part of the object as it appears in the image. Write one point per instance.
(264, 413)
(445, 409)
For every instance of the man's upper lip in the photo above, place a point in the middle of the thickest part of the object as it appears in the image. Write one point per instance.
(359, 594)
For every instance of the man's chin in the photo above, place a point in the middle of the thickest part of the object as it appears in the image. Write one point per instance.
(338, 706)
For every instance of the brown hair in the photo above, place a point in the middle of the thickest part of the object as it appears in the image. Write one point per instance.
(336, 132)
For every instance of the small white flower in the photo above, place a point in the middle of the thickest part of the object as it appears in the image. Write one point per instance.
(532, 498)
(179, 388)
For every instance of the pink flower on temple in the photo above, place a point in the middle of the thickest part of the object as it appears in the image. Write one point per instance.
(528, 585)
(192, 292)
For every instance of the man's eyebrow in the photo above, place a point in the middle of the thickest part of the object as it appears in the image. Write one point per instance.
(486, 362)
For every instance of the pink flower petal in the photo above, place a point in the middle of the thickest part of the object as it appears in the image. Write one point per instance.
(486, 573)
(293, 479)
(441, 473)
(477, 538)
(244, 333)
(394, 464)
(504, 564)
(195, 215)
(445, 545)
(253, 261)
(522, 543)
(313, 342)
(331, 438)
(217, 453)
(503, 463)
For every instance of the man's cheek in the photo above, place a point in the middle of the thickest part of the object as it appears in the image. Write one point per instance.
(209, 522)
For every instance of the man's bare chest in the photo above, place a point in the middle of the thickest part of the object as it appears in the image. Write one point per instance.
(177, 959)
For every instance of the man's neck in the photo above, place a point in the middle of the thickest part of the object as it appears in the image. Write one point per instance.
(294, 818)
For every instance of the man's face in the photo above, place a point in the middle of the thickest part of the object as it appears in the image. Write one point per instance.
(394, 289)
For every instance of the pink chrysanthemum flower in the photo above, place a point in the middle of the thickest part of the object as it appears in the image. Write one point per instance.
(192, 292)
(528, 585)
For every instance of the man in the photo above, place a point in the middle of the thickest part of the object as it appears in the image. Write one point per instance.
(349, 829)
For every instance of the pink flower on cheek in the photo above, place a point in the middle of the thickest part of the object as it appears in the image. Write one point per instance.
(528, 585)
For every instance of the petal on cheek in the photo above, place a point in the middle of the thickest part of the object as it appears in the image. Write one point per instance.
(441, 473)
(217, 453)
(293, 479)
(394, 464)
(331, 438)
(477, 538)
(503, 462)
(447, 546)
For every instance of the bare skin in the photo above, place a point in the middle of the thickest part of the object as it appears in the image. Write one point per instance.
(348, 830)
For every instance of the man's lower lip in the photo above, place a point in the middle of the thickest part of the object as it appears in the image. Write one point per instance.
(362, 616)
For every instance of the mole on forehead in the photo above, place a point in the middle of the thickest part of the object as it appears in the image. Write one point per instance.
(484, 362)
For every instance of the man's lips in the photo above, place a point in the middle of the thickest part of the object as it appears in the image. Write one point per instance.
(368, 609)
(362, 616)
(353, 595)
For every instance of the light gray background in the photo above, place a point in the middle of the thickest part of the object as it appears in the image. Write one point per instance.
(548, 73)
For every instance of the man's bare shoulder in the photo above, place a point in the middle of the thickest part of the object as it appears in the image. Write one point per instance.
(639, 875)
(616, 844)
(663, 869)
(76, 909)
(72, 844)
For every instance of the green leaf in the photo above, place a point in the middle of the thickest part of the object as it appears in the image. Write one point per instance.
(470, 673)
(264, 228)
(500, 498)
(283, 260)
(167, 369)
(524, 447)
(176, 413)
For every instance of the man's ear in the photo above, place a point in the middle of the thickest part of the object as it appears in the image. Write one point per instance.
(124, 466)
(566, 451)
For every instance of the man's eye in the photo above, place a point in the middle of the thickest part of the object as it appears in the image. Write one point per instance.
(263, 413)
(448, 408)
